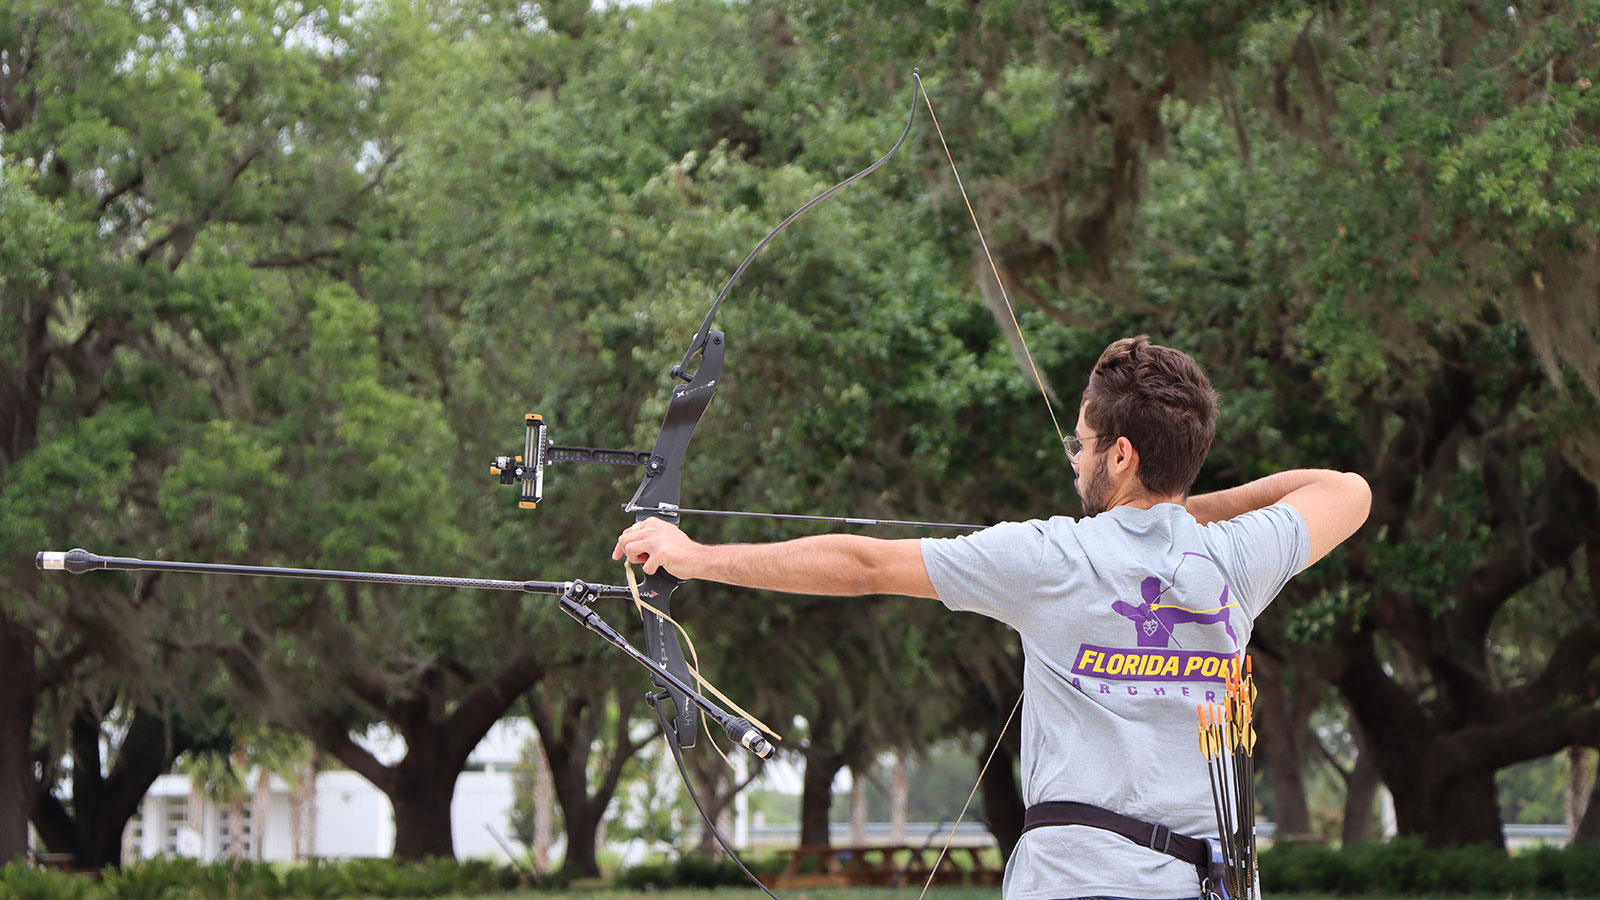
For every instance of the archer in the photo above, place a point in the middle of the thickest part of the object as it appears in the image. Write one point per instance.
(1113, 803)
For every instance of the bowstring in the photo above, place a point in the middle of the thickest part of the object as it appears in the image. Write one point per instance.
(1055, 421)
(950, 838)
(989, 257)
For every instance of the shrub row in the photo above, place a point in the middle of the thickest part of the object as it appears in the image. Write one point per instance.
(1405, 867)
(166, 878)
(695, 871)
(1398, 868)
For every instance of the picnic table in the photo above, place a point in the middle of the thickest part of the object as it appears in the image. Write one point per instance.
(860, 865)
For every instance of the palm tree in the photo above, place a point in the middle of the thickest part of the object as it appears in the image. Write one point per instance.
(294, 759)
(217, 777)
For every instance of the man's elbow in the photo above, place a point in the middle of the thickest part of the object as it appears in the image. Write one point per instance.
(1359, 493)
(862, 581)
(862, 569)
(890, 567)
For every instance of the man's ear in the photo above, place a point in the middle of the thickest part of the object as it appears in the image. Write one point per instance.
(1124, 458)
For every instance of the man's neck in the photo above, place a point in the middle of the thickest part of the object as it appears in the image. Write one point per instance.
(1142, 501)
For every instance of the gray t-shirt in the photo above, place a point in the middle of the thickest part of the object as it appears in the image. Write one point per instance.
(1125, 619)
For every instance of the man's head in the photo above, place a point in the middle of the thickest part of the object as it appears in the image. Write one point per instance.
(1147, 421)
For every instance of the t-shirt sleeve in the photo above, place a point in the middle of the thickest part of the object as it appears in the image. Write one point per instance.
(989, 572)
(1265, 548)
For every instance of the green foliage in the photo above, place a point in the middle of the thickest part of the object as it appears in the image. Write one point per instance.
(166, 878)
(1403, 867)
(318, 880)
(1536, 791)
(941, 776)
(696, 871)
(156, 879)
(281, 278)
(19, 881)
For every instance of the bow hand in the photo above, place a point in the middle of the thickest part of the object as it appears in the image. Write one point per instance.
(659, 546)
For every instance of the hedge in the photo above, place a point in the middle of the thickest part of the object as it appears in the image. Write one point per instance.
(1403, 867)
(169, 878)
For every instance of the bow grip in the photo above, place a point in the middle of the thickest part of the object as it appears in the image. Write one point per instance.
(661, 644)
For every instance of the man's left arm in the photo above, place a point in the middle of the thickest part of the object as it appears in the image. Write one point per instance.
(1333, 504)
(839, 565)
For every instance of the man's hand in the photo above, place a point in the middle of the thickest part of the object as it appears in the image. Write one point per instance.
(658, 544)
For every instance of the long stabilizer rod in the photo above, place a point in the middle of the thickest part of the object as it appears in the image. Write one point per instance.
(79, 561)
(575, 597)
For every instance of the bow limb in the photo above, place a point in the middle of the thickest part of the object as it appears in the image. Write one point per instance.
(659, 493)
(699, 341)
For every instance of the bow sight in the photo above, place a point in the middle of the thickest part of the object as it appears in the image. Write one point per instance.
(539, 451)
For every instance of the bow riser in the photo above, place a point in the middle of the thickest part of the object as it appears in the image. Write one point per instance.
(659, 493)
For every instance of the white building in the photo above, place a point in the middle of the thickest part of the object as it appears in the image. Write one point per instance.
(345, 816)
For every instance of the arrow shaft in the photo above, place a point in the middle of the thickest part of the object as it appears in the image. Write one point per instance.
(794, 517)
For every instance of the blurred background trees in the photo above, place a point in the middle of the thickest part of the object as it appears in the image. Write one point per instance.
(280, 278)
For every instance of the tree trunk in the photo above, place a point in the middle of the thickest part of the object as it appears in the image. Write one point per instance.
(568, 757)
(260, 814)
(17, 699)
(1290, 811)
(816, 797)
(103, 802)
(1360, 797)
(129, 853)
(439, 736)
(421, 791)
(544, 817)
(568, 746)
(238, 843)
(1464, 812)
(421, 785)
(440, 731)
(717, 793)
(1588, 830)
(303, 810)
(899, 799)
(1284, 709)
(194, 817)
(421, 796)
(583, 823)
(858, 807)
(1577, 785)
(1002, 800)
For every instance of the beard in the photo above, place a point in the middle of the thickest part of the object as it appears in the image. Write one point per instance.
(1097, 493)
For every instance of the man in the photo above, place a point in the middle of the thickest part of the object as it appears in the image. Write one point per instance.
(1125, 614)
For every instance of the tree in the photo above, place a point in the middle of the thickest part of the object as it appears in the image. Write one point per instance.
(588, 738)
(108, 787)
(1373, 227)
(138, 142)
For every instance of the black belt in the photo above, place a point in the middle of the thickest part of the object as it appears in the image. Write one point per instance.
(1157, 837)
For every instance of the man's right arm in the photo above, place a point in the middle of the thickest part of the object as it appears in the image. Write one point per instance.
(1333, 504)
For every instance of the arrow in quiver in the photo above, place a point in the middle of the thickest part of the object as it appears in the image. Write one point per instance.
(1227, 738)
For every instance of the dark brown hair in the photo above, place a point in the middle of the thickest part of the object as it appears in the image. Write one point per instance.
(1158, 399)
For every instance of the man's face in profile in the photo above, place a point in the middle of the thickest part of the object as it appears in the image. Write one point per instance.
(1092, 481)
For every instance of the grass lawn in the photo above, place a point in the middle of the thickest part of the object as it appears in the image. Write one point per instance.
(754, 894)
(876, 894)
